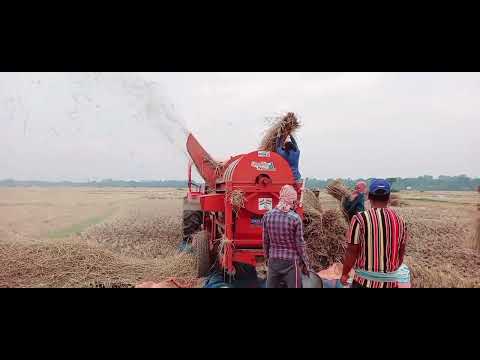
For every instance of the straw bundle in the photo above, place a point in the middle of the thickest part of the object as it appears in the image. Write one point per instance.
(338, 190)
(325, 238)
(311, 202)
(237, 199)
(324, 233)
(282, 126)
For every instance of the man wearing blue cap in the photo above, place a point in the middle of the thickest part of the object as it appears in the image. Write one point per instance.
(376, 244)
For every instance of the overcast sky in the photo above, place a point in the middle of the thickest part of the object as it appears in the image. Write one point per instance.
(85, 126)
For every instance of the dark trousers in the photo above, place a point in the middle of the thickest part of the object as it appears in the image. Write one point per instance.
(356, 285)
(285, 272)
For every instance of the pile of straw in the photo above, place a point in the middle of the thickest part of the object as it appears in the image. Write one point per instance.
(313, 226)
(70, 263)
(138, 234)
(311, 202)
(120, 253)
(282, 126)
(338, 190)
(444, 275)
(324, 233)
(436, 248)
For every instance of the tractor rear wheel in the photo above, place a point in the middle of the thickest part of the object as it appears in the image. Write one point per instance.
(202, 253)
(192, 223)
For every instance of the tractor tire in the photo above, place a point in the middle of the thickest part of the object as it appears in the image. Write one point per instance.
(192, 223)
(202, 253)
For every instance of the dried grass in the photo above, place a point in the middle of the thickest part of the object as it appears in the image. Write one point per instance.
(338, 190)
(282, 126)
(443, 275)
(476, 241)
(76, 264)
(120, 253)
(395, 200)
(138, 235)
(237, 199)
(311, 202)
(324, 233)
(436, 251)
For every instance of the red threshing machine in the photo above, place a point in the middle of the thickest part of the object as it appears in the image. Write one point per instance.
(233, 235)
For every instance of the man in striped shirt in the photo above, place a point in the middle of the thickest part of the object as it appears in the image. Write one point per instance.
(376, 244)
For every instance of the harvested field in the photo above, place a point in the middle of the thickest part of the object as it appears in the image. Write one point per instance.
(136, 242)
(66, 263)
(125, 237)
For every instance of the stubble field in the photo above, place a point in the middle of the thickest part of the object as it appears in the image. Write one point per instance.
(117, 237)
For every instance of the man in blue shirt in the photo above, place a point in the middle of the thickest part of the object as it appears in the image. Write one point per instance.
(289, 151)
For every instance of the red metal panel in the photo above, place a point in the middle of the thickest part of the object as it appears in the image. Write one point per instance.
(212, 202)
(261, 162)
(247, 257)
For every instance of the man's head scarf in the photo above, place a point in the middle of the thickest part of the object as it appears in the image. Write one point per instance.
(288, 197)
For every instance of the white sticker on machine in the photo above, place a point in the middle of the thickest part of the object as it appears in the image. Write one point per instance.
(265, 204)
(264, 166)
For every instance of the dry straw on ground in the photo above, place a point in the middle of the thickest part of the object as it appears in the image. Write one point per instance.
(395, 200)
(282, 126)
(476, 244)
(138, 235)
(120, 253)
(67, 263)
(435, 251)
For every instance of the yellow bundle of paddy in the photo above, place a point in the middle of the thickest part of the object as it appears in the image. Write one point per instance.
(338, 190)
(282, 126)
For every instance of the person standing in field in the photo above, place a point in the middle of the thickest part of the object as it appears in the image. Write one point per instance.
(376, 244)
(289, 151)
(283, 242)
(356, 203)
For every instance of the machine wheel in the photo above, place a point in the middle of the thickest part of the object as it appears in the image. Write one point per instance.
(192, 222)
(202, 253)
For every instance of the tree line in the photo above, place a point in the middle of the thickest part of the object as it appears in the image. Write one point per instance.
(421, 183)
(102, 183)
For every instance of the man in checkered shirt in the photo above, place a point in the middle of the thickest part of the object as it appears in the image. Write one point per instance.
(283, 242)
